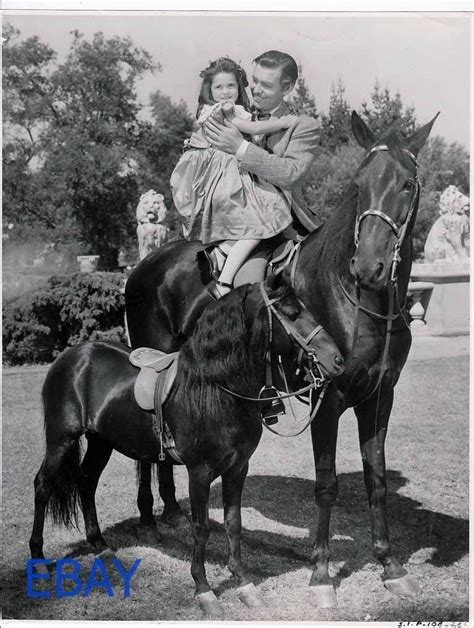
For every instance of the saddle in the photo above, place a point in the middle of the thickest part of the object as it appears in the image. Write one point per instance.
(152, 387)
(272, 255)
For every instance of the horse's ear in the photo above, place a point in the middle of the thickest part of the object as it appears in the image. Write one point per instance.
(274, 281)
(362, 133)
(418, 139)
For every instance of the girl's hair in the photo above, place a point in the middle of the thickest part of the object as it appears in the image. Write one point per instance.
(223, 64)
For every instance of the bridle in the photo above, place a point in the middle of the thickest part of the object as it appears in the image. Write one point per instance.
(313, 370)
(400, 232)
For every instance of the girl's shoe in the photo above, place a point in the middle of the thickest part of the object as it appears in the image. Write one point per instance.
(213, 289)
(213, 253)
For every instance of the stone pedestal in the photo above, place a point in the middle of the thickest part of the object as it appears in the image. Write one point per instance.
(447, 311)
(88, 263)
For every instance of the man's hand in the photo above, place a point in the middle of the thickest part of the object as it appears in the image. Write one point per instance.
(222, 135)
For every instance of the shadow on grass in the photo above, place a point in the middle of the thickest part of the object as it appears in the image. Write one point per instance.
(290, 501)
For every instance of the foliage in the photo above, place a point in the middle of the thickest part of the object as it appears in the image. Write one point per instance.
(161, 147)
(68, 310)
(336, 124)
(300, 99)
(385, 110)
(82, 126)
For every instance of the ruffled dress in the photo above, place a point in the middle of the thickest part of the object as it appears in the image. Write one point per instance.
(216, 201)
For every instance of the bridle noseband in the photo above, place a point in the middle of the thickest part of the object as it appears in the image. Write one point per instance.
(399, 231)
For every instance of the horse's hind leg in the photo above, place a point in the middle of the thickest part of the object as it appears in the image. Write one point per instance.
(96, 458)
(232, 486)
(147, 531)
(57, 481)
(172, 514)
(372, 417)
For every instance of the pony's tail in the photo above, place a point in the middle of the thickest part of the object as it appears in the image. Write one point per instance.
(64, 486)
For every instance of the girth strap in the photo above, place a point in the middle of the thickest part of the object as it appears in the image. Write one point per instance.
(160, 427)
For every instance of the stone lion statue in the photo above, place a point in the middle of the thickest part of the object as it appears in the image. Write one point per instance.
(151, 233)
(448, 239)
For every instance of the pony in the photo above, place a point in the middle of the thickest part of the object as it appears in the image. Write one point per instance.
(212, 411)
(352, 274)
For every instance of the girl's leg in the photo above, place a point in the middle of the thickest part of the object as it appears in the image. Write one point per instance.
(237, 256)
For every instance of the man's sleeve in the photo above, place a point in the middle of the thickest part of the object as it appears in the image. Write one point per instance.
(286, 171)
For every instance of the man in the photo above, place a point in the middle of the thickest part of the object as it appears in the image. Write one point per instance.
(288, 154)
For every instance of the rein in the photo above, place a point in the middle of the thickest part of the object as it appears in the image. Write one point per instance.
(318, 379)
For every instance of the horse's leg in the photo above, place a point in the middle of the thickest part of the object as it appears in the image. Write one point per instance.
(147, 531)
(94, 462)
(57, 481)
(372, 417)
(232, 485)
(172, 514)
(324, 439)
(200, 479)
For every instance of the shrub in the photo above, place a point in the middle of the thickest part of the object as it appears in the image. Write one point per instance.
(68, 310)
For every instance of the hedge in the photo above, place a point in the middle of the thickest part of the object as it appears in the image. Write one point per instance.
(66, 311)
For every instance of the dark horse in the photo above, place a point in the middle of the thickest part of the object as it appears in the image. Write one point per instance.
(352, 274)
(89, 390)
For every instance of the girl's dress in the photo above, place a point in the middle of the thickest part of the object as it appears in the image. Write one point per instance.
(216, 201)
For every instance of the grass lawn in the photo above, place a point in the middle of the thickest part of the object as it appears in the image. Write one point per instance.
(427, 459)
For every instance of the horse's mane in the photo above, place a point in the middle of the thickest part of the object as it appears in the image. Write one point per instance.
(227, 347)
(336, 236)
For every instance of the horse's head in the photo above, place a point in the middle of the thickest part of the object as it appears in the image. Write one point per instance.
(295, 330)
(388, 195)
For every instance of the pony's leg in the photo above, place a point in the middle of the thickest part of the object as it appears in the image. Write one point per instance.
(147, 531)
(232, 486)
(94, 462)
(42, 495)
(172, 514)
(324, 440)
(372, 417)
(199, 486)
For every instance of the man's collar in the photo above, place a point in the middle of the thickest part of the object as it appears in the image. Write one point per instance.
(280, 110)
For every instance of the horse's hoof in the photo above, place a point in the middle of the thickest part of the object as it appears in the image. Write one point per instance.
(210, 605)
(106, 554)
(149, 535)
(406, 586)
(248, 594)
(177, 520)
(324, 596)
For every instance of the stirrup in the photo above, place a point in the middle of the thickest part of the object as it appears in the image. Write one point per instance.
(271, 412)
(210, 253)
(214, 291)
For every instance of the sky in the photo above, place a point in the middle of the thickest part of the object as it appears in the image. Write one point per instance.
(424, 56)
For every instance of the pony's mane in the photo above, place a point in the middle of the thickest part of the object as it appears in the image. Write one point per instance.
(227, 347)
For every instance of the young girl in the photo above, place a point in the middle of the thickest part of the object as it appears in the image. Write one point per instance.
(216, 201)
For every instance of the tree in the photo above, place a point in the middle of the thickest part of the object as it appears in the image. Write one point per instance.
(336, 124)
(383, 111)
(161, 147)
(88, 132)
(300, 99)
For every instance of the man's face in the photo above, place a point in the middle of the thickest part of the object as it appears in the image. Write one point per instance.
(266, 88)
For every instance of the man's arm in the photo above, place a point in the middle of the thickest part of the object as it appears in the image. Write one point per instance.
(286, 171)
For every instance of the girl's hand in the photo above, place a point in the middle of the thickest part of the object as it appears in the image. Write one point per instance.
(288, 121)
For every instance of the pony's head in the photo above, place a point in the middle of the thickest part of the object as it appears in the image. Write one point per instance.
(293, 332)
(388, 195)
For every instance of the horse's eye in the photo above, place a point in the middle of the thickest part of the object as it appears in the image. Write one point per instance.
(408, 186)
(291, 312)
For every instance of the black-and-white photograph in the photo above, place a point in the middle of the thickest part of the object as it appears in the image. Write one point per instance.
(236, 284)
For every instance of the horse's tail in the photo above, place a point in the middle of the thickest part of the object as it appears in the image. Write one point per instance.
(63, 486)
(64, 425)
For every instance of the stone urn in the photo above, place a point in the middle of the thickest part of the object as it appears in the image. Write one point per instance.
(88, 263)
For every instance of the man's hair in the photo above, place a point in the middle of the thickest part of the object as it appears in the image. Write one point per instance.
(277, 59)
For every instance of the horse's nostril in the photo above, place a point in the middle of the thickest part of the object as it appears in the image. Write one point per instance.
(379, 269)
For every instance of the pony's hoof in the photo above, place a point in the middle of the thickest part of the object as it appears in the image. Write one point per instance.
(406, 586)
(149, 535)
(324, 595)
(210, 605)
(177, 520)
(249, 596)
